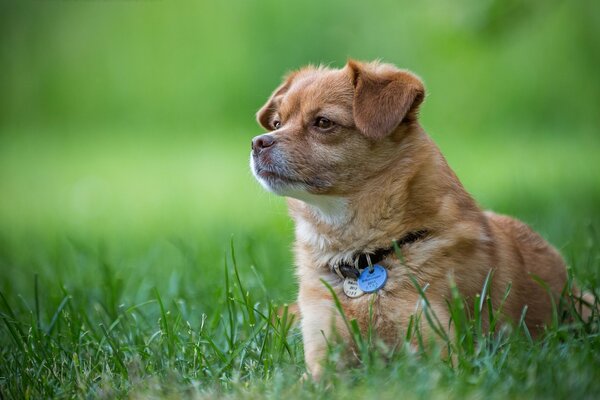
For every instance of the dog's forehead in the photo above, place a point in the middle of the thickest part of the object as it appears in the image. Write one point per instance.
(314, 88)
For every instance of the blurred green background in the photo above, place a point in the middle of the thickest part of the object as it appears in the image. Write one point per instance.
(125, 126)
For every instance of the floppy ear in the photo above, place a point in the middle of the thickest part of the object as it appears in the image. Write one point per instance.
(263, 116)
(384, 97)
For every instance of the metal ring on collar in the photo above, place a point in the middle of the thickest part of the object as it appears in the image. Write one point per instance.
(369, 262)
(336, 269)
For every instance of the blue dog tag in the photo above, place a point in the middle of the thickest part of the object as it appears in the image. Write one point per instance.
(371, 280)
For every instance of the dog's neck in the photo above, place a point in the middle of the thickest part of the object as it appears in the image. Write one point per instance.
(333, 211)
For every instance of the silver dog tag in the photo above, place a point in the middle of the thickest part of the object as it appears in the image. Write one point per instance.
(351, 288)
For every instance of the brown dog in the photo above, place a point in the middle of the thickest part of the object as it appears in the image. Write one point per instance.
(359, 172)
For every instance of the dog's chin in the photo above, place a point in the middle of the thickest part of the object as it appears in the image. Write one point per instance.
(276, 182)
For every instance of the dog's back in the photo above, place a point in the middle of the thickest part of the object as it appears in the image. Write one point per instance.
(533, 266)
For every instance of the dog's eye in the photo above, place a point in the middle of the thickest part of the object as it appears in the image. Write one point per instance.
(324, 123)
(276, 124)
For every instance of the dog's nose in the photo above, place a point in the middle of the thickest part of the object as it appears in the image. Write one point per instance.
(262, 142)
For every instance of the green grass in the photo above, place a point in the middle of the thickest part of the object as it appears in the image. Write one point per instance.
(222, 338)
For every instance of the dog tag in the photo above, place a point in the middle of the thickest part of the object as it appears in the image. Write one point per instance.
(371, 280)
(351, 288)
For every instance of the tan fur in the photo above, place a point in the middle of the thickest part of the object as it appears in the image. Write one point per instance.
(372, 179)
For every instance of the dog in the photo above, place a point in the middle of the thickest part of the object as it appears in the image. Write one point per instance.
(362, 179)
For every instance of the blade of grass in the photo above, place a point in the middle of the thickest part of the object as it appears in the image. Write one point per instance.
(230, 307)
(165, 323)
(54, 319)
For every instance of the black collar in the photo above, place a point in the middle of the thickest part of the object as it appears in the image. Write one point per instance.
(363, 260)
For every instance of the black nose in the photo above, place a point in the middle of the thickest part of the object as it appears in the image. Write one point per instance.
(262, 142)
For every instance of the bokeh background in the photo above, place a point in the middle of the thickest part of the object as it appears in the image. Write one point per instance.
(125, 129)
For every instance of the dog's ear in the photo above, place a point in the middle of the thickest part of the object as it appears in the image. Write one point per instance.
(263, 116)
(384, 97)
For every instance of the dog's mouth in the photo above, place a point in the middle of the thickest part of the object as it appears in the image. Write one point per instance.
(283, 179)
(271, 175)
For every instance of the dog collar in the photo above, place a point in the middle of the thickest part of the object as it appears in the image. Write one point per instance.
(364, 260)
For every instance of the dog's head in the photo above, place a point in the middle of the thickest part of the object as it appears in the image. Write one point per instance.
(330, 130)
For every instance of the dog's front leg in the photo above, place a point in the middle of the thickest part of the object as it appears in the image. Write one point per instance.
(315, 333)
(320, 325)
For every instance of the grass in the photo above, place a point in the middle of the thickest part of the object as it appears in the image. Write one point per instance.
(82, 343)
(64, 342)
